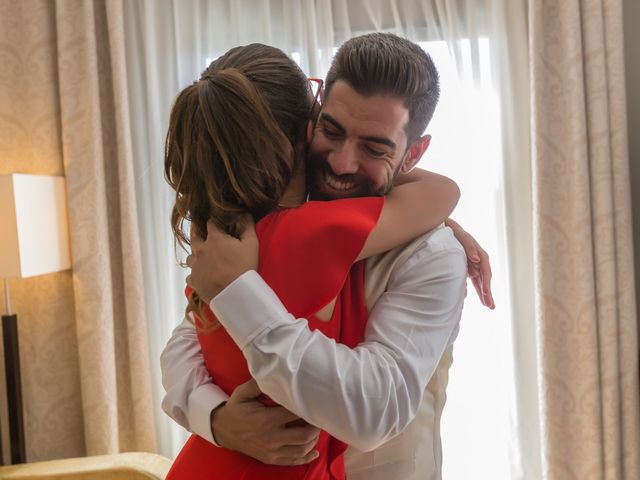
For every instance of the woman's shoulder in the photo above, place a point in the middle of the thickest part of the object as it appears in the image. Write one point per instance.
(332, 210)
(346, 205)
(306, 252)
(314, 216)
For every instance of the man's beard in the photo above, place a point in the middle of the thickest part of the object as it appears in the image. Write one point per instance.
(318, 169)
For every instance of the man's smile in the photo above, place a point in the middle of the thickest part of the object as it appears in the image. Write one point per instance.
(338, 184)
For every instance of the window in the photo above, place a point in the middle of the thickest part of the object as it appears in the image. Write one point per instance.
(466, 146)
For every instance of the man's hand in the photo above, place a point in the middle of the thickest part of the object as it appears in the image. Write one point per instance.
(221, 258)
(478, 266)
(247, 426)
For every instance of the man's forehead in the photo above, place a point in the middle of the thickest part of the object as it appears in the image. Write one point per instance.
(383, 112)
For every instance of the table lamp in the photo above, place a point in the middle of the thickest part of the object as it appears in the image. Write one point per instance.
(34, 240)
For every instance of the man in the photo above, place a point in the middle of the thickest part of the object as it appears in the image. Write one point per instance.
(381, 93)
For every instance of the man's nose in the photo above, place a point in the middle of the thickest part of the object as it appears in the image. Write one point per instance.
(344, 161)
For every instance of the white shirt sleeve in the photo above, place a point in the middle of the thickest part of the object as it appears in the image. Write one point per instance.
(363, 396)
(190, 394)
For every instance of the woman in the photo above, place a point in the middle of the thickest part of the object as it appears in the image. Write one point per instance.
(236, 144)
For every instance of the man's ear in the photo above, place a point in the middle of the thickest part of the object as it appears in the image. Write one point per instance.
(415, 152)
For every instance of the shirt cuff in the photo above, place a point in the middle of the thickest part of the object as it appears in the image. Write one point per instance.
(247, 307)
(201, 402)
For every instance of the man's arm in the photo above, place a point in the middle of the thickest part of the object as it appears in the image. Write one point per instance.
(239, 422)
(190, 395)
(363, 396)
(232, 268)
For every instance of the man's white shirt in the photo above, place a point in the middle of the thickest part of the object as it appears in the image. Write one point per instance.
(363, 396)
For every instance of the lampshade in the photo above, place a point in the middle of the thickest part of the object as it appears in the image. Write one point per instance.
(34, 237)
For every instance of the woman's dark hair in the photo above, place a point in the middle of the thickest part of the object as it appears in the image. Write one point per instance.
(234, 140)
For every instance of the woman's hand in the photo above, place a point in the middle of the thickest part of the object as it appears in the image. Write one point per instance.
(478, 266)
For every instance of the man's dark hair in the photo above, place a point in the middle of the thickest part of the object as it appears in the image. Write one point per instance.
(383, 63)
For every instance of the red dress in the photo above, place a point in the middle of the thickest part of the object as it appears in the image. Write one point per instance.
(306, 257)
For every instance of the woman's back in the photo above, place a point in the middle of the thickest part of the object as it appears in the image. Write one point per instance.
(306, 257)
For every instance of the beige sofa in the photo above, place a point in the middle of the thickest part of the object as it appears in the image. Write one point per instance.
(122, 466)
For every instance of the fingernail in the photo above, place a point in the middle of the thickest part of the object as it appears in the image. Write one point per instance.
(475, 258)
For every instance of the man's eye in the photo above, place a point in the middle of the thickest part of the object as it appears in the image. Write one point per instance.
(373, 151)
(330, 133)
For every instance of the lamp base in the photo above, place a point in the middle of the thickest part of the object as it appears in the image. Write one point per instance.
(14, 388)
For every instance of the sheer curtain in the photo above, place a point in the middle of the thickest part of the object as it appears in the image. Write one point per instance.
(480, 46)
(481, 139)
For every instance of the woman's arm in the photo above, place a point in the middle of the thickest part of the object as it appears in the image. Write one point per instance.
(419, 202)
(478, 264)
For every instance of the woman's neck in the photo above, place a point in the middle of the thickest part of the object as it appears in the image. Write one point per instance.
(296, 192)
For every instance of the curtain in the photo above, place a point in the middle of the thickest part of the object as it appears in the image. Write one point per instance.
(83, 338)
(107, 273)
(30, 143)
(583, 249)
